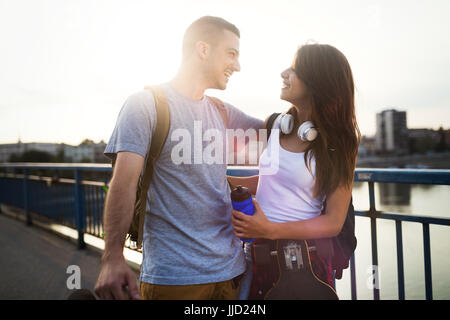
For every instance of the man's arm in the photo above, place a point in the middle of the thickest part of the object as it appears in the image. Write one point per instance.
(119, 206)
(120, 201)
(249, 182)
(237, 119)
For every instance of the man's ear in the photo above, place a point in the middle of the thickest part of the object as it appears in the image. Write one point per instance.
(203, 49)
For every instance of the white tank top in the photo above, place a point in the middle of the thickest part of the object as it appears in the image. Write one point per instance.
(286, 194)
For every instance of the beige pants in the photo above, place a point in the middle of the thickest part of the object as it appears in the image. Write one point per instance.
(225, 290)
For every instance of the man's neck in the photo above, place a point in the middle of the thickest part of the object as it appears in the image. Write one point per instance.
(190, 84)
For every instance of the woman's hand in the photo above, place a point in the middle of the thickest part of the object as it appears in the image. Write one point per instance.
(256, 226)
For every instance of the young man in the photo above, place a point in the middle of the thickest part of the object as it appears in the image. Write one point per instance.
(189, 248)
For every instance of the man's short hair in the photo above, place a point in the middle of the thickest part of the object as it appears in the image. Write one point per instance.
(208, 29)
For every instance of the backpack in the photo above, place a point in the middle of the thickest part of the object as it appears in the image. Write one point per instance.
(342, 246)
(136, 230)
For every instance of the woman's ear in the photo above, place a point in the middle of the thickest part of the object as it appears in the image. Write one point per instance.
(203, 49)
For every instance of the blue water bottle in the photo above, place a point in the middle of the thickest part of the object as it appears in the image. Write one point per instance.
(241, 200)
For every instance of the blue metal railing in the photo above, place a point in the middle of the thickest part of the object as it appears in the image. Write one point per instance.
(406, 176)
(79, 204)
(73, 202)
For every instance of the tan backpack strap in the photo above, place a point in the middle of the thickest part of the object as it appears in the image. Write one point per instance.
(221, 108)
(158, 140)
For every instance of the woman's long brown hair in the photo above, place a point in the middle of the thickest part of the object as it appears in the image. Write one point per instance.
(329, 81)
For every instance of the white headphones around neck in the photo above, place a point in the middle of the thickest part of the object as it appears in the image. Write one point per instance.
(306, 132)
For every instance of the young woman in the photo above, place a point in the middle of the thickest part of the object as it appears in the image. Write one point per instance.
(315, 163)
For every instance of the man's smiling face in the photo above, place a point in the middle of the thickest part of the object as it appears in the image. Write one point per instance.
(223, 60)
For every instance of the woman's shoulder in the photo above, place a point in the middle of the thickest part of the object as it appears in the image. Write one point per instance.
(270, 120)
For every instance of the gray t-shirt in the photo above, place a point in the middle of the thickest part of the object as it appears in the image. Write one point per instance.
(188, 236)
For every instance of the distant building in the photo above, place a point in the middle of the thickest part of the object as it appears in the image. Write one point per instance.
(7, 150)
(423, 140)
(391, 132)
(87, 151)
(424, 133)
(447, 138)
(367, 146)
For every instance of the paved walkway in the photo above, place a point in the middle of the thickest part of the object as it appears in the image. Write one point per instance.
(34, 262)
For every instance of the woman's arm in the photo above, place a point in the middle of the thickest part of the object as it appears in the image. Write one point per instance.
(324, 226)
(249, 182)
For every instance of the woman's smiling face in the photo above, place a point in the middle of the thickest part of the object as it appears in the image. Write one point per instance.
(294, 90)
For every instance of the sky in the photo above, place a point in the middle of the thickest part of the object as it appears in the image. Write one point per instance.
(67, 66)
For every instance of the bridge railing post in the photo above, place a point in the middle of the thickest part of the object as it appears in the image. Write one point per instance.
(29, 222)
(80, 213)
(353, 277)
(400, 265)
(427, 261)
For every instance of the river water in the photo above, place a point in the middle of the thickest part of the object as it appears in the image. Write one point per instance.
(420, 200)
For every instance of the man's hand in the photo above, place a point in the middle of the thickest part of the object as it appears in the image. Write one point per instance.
(115, 274)
(116, 281)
